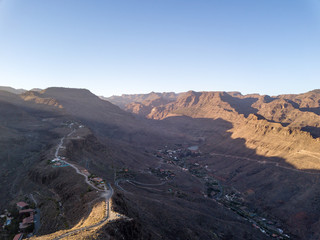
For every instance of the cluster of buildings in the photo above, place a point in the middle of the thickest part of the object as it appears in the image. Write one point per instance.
(163, 174)
(59, 162)
(27, 215)
(97, 181)
(178, 156)
(179, 153)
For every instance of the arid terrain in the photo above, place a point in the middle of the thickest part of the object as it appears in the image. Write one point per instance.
(193, 165)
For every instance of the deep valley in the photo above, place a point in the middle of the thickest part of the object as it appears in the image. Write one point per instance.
(193, 165)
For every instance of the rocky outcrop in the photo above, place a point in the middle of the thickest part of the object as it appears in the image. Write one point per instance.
(39, 99)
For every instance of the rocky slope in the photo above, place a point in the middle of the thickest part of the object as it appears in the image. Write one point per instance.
(250, 135)
(249, 114)
(258, 158)
(295, 109)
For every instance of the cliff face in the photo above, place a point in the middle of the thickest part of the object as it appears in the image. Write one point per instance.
(197, 105)
(37, 98)
(284, 126)
(309, 100)
(299, 110)
(272, 139)
(286, 111)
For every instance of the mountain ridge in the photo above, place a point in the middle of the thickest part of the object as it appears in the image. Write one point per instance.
(194, 165)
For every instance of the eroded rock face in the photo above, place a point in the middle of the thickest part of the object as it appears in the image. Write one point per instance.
(299, 110)
(39, 99)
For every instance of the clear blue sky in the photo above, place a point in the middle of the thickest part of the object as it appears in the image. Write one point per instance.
(138, 46)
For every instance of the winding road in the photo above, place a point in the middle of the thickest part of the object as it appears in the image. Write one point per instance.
(106, 193)
(116, 182)
(102, 222)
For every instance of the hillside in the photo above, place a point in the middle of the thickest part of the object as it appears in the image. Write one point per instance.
(299, 110)
(247, 129)
(194, 165)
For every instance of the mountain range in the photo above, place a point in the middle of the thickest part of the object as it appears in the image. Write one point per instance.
(192, 165)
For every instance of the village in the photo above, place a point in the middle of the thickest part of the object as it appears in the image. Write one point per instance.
(59, 162)
(188, 160)
(62, 161)
(164, 175)
(93, 179)
(22, 220)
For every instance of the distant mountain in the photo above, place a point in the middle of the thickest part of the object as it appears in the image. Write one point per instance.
(36, 89)
(295, 110)
(12, 90)
(285, 127)
(142, 99)
(294, 116)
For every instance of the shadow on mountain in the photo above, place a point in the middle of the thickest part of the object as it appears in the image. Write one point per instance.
(241, 105)
(24, 137)
(271, 185)
(314, 110)
(217, 135)
(314, 131)
(268, 99)
(294, 104)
